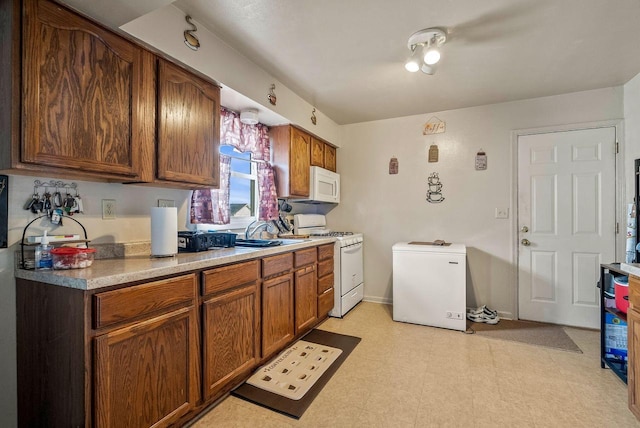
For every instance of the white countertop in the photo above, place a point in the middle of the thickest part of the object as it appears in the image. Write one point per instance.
(108, 272)
(631, 268)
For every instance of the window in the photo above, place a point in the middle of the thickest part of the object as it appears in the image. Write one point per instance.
(243, 190)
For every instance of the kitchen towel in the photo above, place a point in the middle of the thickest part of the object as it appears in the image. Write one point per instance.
(164, 231)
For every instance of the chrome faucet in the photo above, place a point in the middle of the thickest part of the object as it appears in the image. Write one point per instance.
(248, 233)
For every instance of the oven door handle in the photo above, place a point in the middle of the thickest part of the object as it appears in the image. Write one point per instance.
(353, 248)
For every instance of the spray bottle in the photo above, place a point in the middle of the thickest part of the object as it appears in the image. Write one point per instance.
(43, 253)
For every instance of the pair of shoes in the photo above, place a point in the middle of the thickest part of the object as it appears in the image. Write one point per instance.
(483, 314)
(484, 310)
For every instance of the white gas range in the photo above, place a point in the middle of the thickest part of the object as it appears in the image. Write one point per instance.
(347, 259)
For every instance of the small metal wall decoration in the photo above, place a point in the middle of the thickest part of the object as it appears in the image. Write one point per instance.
(54, 199)
(481, 160)
(190, 38)
(433, 153)
(393, 165)
(313, 116)
(271, 96)
(434, 191)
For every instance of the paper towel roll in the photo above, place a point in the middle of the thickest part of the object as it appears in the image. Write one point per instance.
(164, 231)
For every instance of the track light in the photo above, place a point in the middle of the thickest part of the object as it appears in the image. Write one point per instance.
(425, 50)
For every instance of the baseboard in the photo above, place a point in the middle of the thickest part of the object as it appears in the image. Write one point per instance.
(380, 300)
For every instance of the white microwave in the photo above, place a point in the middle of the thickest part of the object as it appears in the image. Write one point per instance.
(324, 186)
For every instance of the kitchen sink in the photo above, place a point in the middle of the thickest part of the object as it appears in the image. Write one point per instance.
(266, 243)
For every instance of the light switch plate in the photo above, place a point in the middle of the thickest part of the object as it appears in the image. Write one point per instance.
(502, 212)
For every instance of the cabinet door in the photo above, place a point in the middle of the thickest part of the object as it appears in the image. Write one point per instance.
(147, 373)
(231, 337)
(330, 157)
(188, 127)
(277, 313)
(317, 152)
(89, 100)
(306, 298)
(633, 369)
(300, 159)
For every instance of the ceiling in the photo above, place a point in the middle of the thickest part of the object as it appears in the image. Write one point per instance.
(348, 60)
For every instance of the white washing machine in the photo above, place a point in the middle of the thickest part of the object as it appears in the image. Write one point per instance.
(430, 284)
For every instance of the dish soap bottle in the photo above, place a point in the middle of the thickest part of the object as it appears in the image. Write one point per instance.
(43, 253)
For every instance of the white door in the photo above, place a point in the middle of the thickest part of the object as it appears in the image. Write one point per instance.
(566, 222)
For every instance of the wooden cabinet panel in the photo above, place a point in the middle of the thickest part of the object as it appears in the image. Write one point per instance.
(325, 282)
(317, 152)
(325, 267)
(275, 265)
(227, 277)
(88, 96)
(634, 292)
(325, 251)
(330, 157)
(188, 127)
(325, 302)
(306, 298)
(291, 150)
(633, 369)
(231, 337)
(300, 163)
(147, 374)
(304, 257)
(125, 304)
(277, 313)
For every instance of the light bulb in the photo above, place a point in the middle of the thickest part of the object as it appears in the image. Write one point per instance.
(428, 69)
(413, 63)
(432, 55)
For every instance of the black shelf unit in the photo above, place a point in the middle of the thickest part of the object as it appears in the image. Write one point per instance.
(618, 367)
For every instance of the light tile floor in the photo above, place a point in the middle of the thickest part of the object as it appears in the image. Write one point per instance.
(405, 375)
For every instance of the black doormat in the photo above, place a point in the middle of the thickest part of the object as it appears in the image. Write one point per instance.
(295, 408)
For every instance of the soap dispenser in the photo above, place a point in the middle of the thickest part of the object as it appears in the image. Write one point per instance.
(43, 253)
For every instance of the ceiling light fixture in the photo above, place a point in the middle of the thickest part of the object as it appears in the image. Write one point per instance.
(249, 116)
(425, 50)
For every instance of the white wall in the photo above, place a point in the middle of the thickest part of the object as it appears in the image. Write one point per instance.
(632, 132)
(392, 208)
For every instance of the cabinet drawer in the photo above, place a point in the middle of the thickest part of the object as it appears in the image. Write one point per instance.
(325, 251)
(116, 306)
(325, 267)
(634, 292)
(325, 303)
(305, 257)
(277, 264)
(227, 277)
(325, 283)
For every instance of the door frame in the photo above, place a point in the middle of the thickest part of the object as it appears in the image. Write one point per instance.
(620, 187)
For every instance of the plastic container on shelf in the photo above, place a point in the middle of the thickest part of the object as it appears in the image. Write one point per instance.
(72, 258)
(615, 337)
(622, 291)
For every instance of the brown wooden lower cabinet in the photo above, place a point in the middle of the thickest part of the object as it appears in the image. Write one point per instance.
(230, 325)
(277, 313)
(633, 342)
(146, 373)
(159, 352)
(306, 298)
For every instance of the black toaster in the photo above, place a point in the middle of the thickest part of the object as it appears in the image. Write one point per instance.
(192, 242)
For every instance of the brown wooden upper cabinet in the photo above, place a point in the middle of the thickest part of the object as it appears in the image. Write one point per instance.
(291, 160)
(323, 154)
(88, 97)
(188, 127)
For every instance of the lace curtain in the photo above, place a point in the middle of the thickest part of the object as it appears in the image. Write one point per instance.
(211, 206)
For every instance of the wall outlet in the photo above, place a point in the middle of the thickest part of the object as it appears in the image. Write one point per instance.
(108, 209)
(502, 212)
(454, 315)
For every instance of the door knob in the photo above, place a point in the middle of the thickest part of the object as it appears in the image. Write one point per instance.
(525, 242)
(524, 229)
